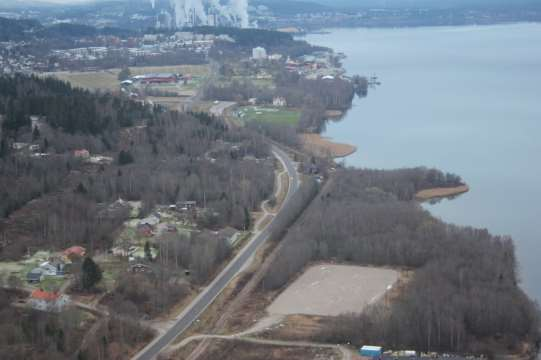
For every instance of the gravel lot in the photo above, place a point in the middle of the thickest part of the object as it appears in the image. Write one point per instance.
(333, 289)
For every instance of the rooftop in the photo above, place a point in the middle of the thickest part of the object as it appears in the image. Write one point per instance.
(44, 295)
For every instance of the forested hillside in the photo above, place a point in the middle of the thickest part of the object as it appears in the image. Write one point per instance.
(464, 296)
(70, 109)
(20, 30)
(158, 157)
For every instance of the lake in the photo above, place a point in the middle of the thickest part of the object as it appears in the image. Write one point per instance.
(462, 99)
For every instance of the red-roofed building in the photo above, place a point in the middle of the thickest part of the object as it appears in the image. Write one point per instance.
(47, 301)
(82, 153)
(78, 251)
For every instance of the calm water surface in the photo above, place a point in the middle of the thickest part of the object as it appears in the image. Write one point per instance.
(462, 99)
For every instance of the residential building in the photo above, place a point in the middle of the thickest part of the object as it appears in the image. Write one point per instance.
(279, 101)
(48, 301)
(259, 53)
(53, 268)
(77, 251)
(81, 153)
(34, 276)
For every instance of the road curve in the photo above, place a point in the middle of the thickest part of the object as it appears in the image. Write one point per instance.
(207, 296)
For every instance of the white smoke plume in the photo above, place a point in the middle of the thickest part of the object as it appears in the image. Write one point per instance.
(209, 12)
(240, 9)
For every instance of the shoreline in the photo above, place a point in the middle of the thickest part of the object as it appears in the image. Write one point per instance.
(322, 146)
(438, 193)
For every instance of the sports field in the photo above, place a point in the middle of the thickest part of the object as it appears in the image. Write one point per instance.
(269, 114)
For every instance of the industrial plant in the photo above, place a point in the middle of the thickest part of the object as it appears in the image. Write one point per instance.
(189, 13)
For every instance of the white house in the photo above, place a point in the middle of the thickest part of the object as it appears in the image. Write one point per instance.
(259, 53)
(279, 101)
(151, 220)
(52, 269)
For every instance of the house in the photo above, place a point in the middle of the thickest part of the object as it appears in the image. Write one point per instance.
(100, 160)
(20, 145)
(140, 268)
(48, 301)
(120, 251)
(34, 148)
(34, 276)
(145, 230)
(161, 78)
(81, 154)
(151, 220)
(187, 205)
(53, 268)
(76, 251)
(230, 235)
(279, 101)
(259, 53)
(276, 57)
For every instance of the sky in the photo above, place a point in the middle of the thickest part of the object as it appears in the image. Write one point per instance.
(8, 2)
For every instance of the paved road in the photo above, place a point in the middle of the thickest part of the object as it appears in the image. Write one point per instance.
(207, 296)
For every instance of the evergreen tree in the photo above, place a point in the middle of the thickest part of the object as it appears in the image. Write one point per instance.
(81, 189)
(124, 74)
(35, 134)
(60, 340)
(247, 219)
(91, 274)
(125, 158)
(148, 251)
(3, 147)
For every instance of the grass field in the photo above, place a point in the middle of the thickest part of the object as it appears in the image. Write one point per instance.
(269, 114)
(94, 80)
(108, 79)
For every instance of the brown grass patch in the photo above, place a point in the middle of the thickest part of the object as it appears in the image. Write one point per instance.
(323, 147)
(238, 350)
(441, 192)
(296, 328)
(92, 80)
(334, 114)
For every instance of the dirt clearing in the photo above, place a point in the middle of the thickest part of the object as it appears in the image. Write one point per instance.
(331, 290)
